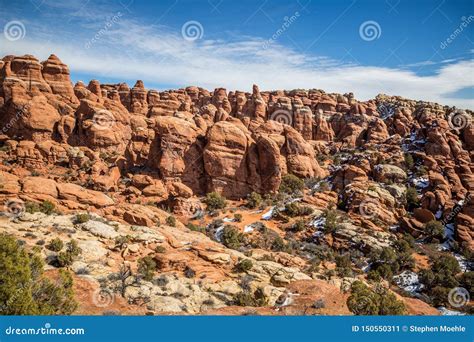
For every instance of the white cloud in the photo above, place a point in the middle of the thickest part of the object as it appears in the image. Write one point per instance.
(128, 50)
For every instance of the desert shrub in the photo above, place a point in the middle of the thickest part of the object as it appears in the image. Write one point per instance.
(291, 184)
(409, 162)
(196, 228)
(146, 267)
(402, 246)
(244, 265)
(421, 171)
(256, 299)
(466, 280)
(411, 197)
(23, 288)
(55, 245)
(388, 262)
(67, 257)
(238, 217)
(319, 304)
(331, 220)
(215, 201)
(294, 209)
(160, 249)
(365, 301)
(171, 221)
(278, 245)
(343, 265)
(122, 240)
(254, 200)
(232, 237)
(81, 218)
(45, 207)
(343, 260)
(440, 278)
(299, 226)
(189, 272)
(434, 230)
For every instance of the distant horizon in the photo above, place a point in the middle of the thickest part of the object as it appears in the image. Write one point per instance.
(420, 50)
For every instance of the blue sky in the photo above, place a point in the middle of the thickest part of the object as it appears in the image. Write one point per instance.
(398, 47)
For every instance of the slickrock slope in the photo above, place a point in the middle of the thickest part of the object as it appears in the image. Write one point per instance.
(375, 173)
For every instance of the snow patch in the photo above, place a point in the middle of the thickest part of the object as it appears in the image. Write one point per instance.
(269, 214)
(408, 281)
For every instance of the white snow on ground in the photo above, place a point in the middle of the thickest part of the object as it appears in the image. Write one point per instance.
(218, 233)
(394, 228)
(447, 312)
(420, 182)
(408, 281)
(268, 215)
(227, 219)
(318, 222)
(248, 228)
(464, 264)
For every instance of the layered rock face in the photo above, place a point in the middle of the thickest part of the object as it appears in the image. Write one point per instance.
(191, 141)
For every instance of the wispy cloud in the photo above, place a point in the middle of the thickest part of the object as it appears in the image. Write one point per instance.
(159, 55)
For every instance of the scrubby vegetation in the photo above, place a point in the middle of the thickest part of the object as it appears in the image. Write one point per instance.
(82, 218)
(257, 298)
(244, 265)
(378, 301)
(215, 201)
(254, 200)
(45, 207)
(232, 237)
(411, 198)
(55, 245)
(290, 184)
(67, 257)
(388, 262)
(434, 231)
(25, 290)
(442, 276)
(147, 267)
